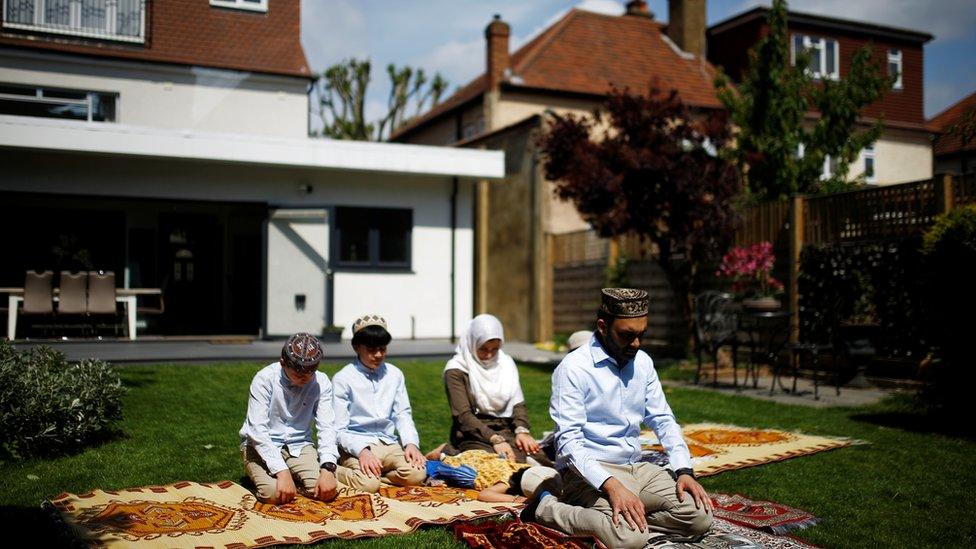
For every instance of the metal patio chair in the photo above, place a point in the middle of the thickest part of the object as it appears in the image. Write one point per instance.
(716, 325)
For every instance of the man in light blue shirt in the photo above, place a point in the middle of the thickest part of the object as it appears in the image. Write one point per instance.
(371, 408)
(276, 438)
(601, 393)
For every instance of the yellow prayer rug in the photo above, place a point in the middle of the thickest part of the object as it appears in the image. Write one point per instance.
(224, 514)
(716, 448)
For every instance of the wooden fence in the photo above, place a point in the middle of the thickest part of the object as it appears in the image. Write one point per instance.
(580, 259)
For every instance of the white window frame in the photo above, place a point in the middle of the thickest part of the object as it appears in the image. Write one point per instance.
(894, 56)
(261, 5)
(869, 153)
(36, 94)
(74, 28)
(819, 42)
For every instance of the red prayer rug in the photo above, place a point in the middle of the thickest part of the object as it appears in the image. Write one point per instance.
(768, 516)
(529, 535)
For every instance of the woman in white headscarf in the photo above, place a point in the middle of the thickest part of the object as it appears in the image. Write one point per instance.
(483, 390)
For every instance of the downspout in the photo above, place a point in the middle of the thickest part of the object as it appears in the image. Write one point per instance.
(454, 194)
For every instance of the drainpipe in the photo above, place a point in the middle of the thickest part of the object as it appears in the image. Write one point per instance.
(454, 194)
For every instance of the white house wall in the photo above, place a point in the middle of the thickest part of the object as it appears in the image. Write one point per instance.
(423, 294)
(166, 96)
(296, 257)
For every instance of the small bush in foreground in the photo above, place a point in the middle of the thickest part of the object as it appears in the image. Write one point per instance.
(48, 406)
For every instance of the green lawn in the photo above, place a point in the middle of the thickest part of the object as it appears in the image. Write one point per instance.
(906, 488)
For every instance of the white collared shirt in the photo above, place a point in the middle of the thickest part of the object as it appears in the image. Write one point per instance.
(598, 408)
(280, 414)
(372, 406)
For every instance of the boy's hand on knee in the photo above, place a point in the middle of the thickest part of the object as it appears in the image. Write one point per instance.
(526, 443)
(370, 464)
(326, 487)
(414, 457)
(687, 483)
(625, 503)
(284, 487)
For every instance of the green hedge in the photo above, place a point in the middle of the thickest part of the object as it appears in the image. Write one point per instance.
(48, 406)
(871, 283)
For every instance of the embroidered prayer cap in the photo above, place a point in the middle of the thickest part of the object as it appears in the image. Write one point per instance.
(368, 320)
(302, 352)
(624, 302)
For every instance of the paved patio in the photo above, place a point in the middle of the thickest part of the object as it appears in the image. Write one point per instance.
(849, 396)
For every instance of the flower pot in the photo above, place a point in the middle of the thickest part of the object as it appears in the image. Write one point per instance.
(762, 303)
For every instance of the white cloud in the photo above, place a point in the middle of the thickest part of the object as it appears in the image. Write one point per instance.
(606, 7)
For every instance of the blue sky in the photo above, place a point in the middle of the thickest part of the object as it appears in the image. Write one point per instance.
(447, 36)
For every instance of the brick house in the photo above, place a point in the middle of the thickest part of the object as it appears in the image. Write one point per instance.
(951, 154)
(167, 141)
(567, 68)
(903, 152)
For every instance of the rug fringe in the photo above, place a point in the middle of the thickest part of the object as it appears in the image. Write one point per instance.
(783, 529)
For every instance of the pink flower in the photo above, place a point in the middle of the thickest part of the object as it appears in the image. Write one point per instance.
(749, 267)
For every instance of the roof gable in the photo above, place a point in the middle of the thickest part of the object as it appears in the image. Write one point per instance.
(943, 122)
(587, 53)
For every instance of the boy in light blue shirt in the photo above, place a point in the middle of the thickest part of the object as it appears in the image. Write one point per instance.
(371, 408)
(286, 396)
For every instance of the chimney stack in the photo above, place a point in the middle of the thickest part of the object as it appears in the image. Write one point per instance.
(686, 25)
(496, 36)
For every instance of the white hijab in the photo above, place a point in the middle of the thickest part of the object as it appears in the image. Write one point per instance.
(493, 384)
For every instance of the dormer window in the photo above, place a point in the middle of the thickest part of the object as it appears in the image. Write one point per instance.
(250, 5)
(120, 20)
(823, 52)
(894, 67)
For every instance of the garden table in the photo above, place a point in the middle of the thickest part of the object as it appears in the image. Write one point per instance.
(126, 296)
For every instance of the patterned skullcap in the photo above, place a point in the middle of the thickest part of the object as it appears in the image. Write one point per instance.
(624, 302)
(368, 320)
(302, 352)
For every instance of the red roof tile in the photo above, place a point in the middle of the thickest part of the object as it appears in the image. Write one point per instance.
(948, 143)
(586, 53)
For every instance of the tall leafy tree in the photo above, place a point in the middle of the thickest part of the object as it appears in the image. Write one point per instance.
(770, 110)
(340, 99)
(644, 165)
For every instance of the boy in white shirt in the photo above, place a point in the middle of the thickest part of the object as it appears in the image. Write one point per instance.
(276, 438)
(370, 405)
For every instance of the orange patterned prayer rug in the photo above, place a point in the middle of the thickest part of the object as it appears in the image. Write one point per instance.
(190, 514)
(716, 448)
(767, 516)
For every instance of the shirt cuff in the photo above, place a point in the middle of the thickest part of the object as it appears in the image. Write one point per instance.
(596, 475)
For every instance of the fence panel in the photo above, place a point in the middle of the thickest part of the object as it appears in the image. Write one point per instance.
(963, 189)
(763, 222)
(883, 213)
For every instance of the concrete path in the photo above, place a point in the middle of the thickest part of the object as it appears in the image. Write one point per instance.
(849, 396)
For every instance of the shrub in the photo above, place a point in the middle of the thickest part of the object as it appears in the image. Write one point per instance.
(48, 406)
(949, 249)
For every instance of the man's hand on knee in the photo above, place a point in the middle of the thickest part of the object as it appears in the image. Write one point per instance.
(284, 487)
(687, 483)
(625, 503)
(325, 488)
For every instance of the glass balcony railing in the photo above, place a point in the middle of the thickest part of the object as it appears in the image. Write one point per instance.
(122, 20)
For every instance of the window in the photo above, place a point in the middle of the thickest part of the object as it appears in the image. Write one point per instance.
(824, 55)
(91, 106)
(829, 167)
(373, 237)
(894, 67)
(122, 20)
(253, 5)
(868, 155)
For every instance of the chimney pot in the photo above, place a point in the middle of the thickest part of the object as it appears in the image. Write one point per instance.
(639, 8)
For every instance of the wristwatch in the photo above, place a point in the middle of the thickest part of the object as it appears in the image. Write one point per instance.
(684, 471)
(329, 466)
(496, 439)
(519, 430)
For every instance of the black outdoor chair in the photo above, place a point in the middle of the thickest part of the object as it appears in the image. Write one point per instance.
(716, 325)
(824, 350)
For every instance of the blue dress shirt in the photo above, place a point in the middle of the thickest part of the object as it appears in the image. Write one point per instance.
(280, 414)
(598, 407)
(370, 406)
